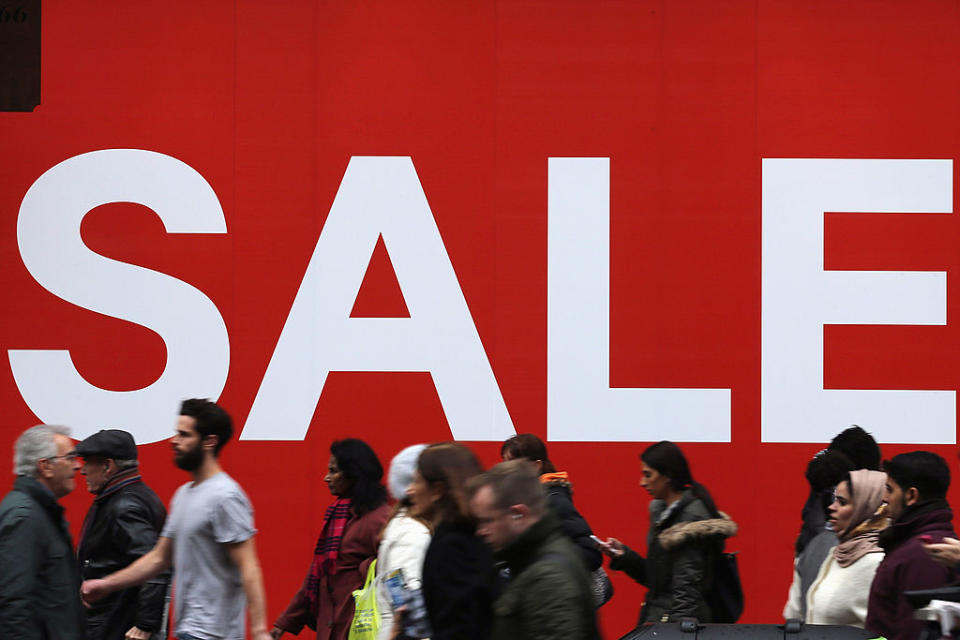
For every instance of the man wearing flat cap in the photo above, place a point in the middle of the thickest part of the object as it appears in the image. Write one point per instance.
(123, 523)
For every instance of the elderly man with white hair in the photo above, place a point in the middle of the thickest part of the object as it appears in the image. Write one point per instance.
(39, 582)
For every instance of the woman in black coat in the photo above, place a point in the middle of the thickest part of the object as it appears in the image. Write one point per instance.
(559, 495)
(686, 532)
(458, 572)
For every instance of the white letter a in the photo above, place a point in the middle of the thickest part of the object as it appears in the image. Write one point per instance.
(379, 196)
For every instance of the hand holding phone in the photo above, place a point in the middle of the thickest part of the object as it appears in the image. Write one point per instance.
(612, 547)
(603, 546)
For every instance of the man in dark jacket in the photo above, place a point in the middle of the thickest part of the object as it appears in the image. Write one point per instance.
(39, 585)
(123, 523)
(549, 596)
(917, 484)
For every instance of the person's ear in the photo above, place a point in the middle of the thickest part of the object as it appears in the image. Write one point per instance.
(210, 442)
(44, 468)
(519, 511)
(436, 491)
(911, 496)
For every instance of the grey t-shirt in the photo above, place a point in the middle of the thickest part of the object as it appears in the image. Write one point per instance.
(208, 592)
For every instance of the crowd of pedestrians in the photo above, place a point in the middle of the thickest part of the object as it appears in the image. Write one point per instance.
(869, 535)
(452, 551)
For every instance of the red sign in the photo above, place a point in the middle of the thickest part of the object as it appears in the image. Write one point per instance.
(607, 223)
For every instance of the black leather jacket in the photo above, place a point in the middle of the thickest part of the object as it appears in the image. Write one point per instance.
(122, 525)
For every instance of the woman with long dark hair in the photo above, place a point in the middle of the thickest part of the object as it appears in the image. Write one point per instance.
(686, 530)
(347, 544)
(458, 574)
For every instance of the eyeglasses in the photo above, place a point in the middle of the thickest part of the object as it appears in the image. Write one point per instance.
(70, 457)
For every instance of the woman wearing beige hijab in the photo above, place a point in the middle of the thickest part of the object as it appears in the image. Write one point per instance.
(840, 592)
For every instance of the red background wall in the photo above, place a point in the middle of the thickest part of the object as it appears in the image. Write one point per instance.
(268, 101)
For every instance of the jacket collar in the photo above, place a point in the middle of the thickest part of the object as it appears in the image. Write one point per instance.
(922, 515)
(661, 514)
(558, 480)
(39, 493)
(670, 535)
(520, 552)
(43, 497)
(118, 481)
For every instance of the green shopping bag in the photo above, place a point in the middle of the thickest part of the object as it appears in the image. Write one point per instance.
(366, 618)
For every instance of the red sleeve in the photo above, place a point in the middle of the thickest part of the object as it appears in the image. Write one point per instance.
(298, 612)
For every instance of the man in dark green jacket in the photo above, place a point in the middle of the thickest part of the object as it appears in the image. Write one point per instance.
(39, 583)
(549, 596)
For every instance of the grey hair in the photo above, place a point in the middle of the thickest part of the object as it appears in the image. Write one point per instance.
(33, 445)
(124, 464)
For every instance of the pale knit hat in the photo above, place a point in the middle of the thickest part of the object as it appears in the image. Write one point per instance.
(401, 470)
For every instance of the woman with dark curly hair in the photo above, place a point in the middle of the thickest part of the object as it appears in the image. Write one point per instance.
(347, 544)
(458, 575)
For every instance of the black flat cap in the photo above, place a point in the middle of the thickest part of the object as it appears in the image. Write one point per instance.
(109, 443)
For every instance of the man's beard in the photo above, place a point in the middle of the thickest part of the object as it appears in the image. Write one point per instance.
(902, 506)
(189, 460)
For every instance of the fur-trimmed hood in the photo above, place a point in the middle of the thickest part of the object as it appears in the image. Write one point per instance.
(684, 532)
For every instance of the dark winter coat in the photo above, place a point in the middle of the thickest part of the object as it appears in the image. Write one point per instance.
(39, 584)
(560, 499)
(358, 548)
(907, 566)
(459, 584)
(549, 596)
(122, 525)
(681, 547)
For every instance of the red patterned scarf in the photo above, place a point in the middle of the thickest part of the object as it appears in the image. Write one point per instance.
(327, 549)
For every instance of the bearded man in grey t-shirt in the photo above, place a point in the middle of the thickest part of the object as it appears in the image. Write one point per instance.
(207, 539)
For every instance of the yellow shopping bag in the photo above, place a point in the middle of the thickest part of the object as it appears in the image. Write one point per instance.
(366, 618)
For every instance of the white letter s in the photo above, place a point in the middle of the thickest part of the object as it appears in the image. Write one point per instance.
(48, 233)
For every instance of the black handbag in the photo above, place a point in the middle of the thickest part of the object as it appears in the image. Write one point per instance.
(725, 598)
